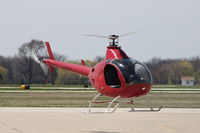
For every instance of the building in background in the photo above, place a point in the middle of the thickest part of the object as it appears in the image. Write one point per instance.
(187, 80)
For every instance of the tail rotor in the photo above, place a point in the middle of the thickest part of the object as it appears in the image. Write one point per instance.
(41, 63)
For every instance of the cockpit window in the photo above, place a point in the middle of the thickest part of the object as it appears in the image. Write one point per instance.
(133, 71)
(142, 71)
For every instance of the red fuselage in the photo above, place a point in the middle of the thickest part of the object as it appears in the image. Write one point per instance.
(98, 77)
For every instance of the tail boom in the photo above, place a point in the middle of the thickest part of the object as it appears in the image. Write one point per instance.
(80, 69)
(52, 63)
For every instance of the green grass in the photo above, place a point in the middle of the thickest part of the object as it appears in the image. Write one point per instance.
(81, 86)
(43, 85)
(175, 86)
(80, 99)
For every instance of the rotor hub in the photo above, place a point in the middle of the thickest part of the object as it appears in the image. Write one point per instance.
(113, 40)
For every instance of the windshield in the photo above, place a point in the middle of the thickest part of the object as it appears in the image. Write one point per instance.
(133, 71)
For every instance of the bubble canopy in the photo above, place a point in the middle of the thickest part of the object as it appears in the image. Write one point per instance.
(133, 71)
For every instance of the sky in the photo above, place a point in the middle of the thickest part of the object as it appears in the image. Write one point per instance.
(169, 28)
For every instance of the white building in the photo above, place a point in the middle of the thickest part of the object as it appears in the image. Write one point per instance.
(187, 80)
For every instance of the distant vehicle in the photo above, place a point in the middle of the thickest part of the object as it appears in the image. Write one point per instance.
(117, 76)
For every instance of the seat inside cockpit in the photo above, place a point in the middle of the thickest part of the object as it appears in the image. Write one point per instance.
(111, 76)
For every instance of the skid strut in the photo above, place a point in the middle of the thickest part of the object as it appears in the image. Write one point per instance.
(91, 102)
(99, 102)
(152, 109)
(116, 106)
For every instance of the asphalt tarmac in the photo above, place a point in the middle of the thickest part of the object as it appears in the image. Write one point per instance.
(71, 120)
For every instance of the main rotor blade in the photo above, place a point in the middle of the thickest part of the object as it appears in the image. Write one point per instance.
(130, 33)
(99, 36)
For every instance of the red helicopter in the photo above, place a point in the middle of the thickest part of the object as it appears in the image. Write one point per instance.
(117, 76)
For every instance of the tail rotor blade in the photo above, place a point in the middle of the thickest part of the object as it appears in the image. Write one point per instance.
(35, 58)
(42, 65)
(44, 68)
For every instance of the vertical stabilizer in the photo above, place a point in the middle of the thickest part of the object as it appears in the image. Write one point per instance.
(49, 50)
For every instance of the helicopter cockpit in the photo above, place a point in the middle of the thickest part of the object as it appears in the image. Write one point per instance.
(133, 71)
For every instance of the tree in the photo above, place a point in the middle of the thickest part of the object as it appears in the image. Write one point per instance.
(7, 63)
(69, 78)
(195, 61)
(33, 47)
(24, 62)
(3, 75)
(182, 68)
(99, 58)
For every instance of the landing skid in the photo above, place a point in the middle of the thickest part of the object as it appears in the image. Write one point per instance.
(108, 110)
(146, 110)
